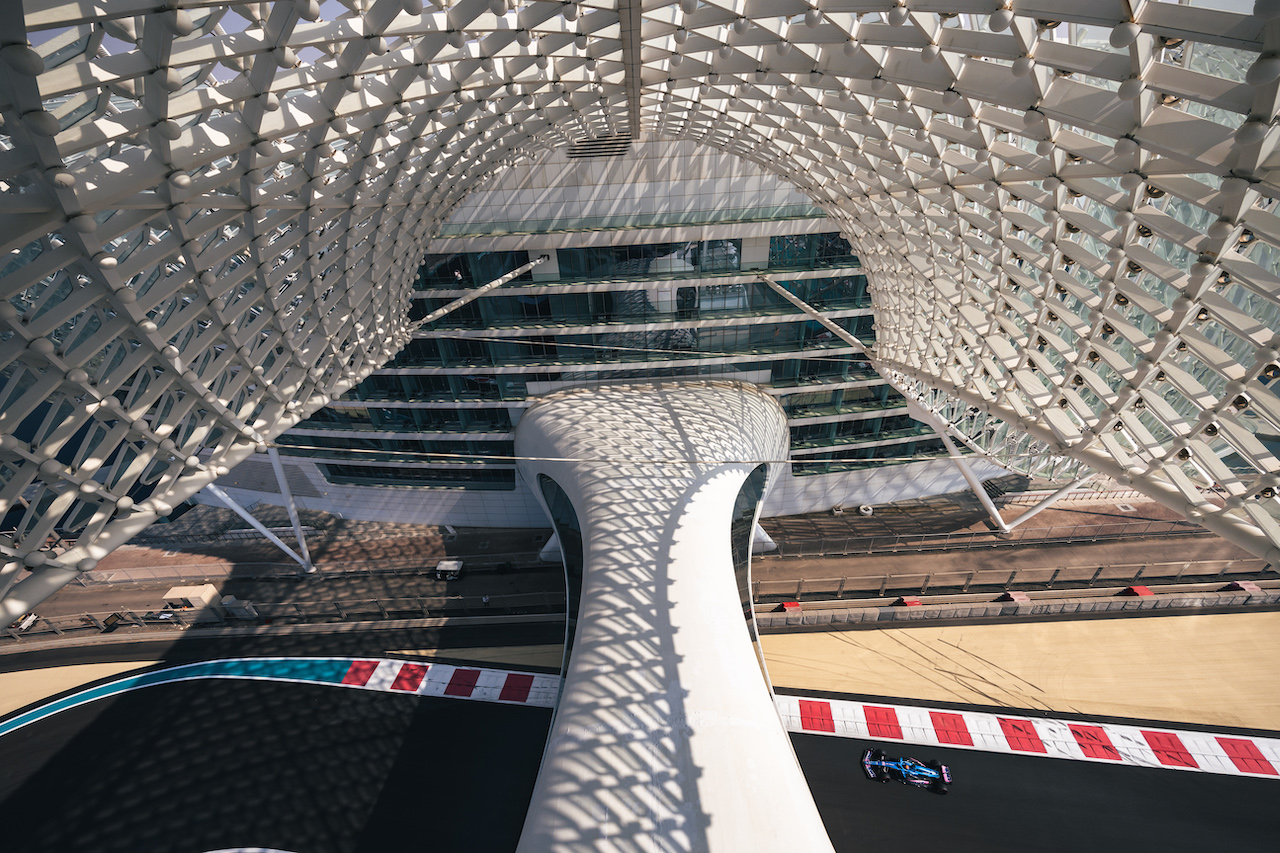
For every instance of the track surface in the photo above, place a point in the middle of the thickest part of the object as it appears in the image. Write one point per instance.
(213, 764)
(1016, 803)
(208, 765)
(343, 641)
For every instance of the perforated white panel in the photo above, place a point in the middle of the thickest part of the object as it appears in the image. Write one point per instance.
(212, 214)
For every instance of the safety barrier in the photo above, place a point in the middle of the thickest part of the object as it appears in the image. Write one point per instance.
(1045, 577)
(1107, 742)
(297, 613)
(268, 570)
(1079, 603)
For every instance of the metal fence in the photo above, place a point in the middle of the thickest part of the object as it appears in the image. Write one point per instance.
(1046, 577)
(191, 572)
(553, 603)
(232, 535)
(1073, 534)
(1085, 494)
(298, 613)
(268, 570)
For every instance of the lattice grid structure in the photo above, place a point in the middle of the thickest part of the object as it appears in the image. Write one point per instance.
(213, 213)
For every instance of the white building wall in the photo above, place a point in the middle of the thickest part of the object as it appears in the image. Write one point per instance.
(872, 486)
(518, 508)
(396, 504)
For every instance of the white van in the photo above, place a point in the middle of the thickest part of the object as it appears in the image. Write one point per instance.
(448, 570)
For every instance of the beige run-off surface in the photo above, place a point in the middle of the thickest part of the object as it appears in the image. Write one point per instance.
(19, 689)
(1221, 669)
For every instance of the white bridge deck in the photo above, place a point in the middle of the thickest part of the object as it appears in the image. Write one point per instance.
(666, 737)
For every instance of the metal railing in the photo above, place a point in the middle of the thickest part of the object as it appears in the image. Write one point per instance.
(1073, 534)
(553, 603)
(1045, 577)
(297, 613)
(230, 535)
(269, 570)
(415, 607)
(1088, 493)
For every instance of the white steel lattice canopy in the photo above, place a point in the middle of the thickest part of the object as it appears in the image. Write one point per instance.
(213, 212)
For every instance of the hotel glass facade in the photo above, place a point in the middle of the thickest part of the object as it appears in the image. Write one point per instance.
(441, 413)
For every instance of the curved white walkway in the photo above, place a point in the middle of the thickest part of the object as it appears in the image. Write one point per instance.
(666, 737)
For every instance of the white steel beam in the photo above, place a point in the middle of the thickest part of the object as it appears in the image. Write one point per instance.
(213, 217)
(1050, 500)
(975, 484)
(473, 295)
(233, 505)
(292, 508)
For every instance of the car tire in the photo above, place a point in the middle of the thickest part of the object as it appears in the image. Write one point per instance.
(939, 786)
(878, 755)
(882, 775)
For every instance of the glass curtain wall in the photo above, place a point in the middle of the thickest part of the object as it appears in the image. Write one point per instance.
(666, 309)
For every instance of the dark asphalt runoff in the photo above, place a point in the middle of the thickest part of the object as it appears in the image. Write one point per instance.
(343, 640)
(1027, 805)
(210, 765)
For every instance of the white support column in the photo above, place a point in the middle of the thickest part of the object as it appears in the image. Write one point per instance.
(365, 234)
(548, 270)
(47, 579)
(9, 575)
(1158, 489)
(292, 509)
(231, 504)
(1052, 499)
(975, 485)
(755, 253)
(663, 679)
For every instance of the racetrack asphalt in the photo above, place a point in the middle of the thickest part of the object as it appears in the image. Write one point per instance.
(214, 764)
(1021, 804)
(211, 765)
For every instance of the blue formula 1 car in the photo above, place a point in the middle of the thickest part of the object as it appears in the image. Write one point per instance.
(880, 768)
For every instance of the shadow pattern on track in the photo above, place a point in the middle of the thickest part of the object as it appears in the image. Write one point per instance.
(208, 765)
